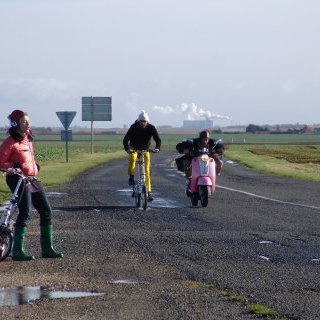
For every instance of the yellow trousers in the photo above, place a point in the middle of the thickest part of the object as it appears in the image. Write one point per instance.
(132, 165)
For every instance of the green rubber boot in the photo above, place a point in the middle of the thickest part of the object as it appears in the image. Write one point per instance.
(46, 243)
(18, 253)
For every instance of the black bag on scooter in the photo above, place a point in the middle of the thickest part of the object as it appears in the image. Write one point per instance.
(179, 162)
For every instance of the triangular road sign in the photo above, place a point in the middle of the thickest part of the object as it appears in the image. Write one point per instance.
(66, 117)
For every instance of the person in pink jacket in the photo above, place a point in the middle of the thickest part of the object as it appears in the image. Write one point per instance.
(17, 156)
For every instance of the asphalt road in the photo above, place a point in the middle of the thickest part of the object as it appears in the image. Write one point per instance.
(259, 238)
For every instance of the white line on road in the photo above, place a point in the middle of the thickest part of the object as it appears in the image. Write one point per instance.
(265, 258)
(269, 199)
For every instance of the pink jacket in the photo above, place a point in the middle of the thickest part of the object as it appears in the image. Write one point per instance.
(13, 151)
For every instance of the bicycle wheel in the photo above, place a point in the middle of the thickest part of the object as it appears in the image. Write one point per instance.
(137, 196)
(5, 242)
(144, 198)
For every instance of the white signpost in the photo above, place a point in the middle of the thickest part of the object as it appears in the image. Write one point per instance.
(96, 109)
(66, 118)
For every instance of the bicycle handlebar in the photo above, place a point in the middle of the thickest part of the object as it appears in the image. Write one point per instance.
(143, 151)
(14, 172)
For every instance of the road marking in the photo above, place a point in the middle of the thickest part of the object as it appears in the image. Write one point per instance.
(126, 281)
(265, 258)
(269, 199)
(232, 163)
(56, 194)
(265, 242)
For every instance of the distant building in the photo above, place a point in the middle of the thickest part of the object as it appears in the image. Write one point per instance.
(189, 124)
(239, 129)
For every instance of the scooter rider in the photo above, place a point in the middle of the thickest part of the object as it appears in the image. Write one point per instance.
(190, 148)
(17, 156)
(139, 137)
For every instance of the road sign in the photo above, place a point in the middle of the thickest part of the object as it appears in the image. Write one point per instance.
(66, 135)
(66, 117)
(96, 108)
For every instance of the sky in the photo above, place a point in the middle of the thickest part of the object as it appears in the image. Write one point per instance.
(234, 61)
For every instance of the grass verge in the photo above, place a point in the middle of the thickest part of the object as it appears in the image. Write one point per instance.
(302, 162)
(261, 310)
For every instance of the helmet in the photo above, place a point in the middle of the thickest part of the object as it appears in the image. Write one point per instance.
(204, 134)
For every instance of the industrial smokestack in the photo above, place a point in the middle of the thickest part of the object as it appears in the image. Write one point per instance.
(193, 111)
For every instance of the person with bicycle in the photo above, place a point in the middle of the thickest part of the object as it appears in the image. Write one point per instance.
(190, 148)
(138, 137)
(17, 157)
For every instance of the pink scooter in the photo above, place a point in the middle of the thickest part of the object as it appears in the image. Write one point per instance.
(203, 179)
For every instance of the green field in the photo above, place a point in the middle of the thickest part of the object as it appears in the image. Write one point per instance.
(287, 160)
(294, 156)
(170, 139)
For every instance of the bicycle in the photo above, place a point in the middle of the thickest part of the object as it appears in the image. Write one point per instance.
(139, 189)
(7, 222)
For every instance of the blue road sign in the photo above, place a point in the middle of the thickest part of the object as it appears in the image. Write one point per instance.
(66, 135)
(66, 117)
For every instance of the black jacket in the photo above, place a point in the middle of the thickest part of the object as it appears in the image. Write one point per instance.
(193, 146)
(140, 138)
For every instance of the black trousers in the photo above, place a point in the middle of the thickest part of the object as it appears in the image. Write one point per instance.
(29, 197)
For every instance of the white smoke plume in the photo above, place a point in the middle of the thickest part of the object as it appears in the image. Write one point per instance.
(192, 111)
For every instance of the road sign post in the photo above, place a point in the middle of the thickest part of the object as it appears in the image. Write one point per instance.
(96, 109)
(66, 135)
(66, 118)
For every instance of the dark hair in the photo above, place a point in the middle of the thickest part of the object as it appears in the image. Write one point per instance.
(204, 134)
(15, 116)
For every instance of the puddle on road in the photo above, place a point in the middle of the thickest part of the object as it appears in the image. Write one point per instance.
(14, 296)
(164, 203)
(157, 202)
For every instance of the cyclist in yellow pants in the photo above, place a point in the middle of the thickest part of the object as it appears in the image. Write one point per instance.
(132, 165)
(139, 137)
